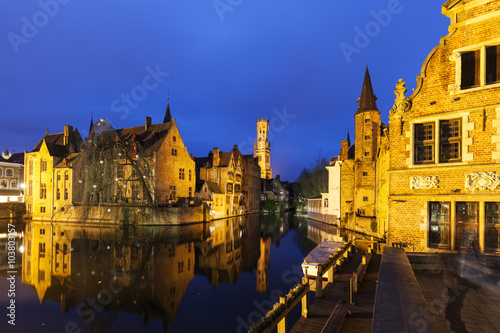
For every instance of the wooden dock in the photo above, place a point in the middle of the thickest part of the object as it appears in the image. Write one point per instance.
(360, 319)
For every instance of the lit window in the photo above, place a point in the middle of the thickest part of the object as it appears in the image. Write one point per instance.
(439, 223)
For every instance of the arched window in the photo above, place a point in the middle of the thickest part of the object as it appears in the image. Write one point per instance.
(326, 203)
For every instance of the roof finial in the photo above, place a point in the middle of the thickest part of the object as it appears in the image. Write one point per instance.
(46, 132)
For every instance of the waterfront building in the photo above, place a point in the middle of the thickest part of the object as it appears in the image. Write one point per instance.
(148, 164)
(276, 191)
(262, 149)
(11, 177)
(211, 193)
(40, 173)
(444, 176)
(429, 181)
(236, 176)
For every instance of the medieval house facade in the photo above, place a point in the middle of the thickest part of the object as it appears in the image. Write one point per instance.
(430, 180)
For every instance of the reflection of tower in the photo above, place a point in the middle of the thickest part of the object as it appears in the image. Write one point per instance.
(262, 148)
(263, 265)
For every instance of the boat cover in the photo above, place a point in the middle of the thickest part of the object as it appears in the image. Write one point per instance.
(321, 252)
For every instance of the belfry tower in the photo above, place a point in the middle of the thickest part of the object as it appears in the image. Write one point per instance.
(262, 148)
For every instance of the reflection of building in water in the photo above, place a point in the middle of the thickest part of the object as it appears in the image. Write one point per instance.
(319, 232)
(47, 256)
(263, 265)
(220, 254)
(118, 271)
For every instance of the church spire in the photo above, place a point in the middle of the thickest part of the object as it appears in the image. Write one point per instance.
(91, 122)
(168, 117)
(348, 140)
(367, 100)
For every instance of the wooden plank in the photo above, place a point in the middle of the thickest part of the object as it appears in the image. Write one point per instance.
(335, 321)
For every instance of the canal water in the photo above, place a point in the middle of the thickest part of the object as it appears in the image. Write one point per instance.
(208, 277)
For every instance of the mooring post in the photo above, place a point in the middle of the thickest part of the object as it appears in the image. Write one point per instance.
(282, 323)
(319, 282)
(331, 271)
(350, 290)
(305, 299)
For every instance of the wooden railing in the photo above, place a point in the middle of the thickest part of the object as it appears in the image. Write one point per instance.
(277, 317)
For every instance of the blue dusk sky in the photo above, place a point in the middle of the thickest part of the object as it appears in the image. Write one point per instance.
(226, 63)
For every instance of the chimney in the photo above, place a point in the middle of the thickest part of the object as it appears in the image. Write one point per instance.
(215, 162)
(68, 132)
(344, 148)
(148, 123)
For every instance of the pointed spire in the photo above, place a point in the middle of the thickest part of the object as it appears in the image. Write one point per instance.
(168, 117)
(367, 100)
(91, 122)
(348, 140)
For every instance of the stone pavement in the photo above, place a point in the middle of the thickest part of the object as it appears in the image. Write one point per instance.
(458, 305)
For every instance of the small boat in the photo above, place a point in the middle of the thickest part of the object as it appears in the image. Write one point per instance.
(318, 256)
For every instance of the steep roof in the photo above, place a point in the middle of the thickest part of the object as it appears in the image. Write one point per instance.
(148, 141)
(68, 161)
(351, 151)
(14, 158)
(214, 187)
(168, 116)
(57, 139)
(366, 101)
(56, 150)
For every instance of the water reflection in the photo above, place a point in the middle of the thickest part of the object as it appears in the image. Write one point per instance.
(95, 273)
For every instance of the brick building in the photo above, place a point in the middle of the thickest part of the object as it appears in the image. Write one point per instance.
(47, 174)
(444, 178)
(430, 180)
(236, 176)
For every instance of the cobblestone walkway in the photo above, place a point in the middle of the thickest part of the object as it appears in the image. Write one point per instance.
(459, 305)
